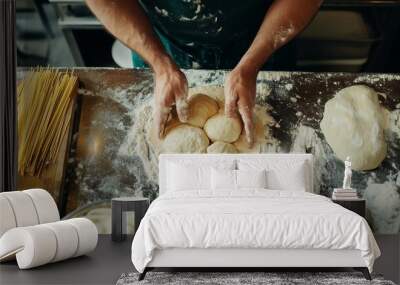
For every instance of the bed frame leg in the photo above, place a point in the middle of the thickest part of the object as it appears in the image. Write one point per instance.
(364, 271)
(143, 274)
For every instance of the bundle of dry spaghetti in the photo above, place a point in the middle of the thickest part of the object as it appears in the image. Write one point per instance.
(45, 98)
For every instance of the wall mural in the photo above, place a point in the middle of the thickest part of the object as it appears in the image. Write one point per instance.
(115, 148)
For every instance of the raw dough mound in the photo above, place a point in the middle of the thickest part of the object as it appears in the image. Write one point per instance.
(215, 92)
(185, 139)
(222, 147)
(353, 125)
(222, 128)
(201, 107)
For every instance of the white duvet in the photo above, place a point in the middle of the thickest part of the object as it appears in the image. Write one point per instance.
(254, 218)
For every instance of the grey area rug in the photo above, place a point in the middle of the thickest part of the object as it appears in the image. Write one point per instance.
(243, 278)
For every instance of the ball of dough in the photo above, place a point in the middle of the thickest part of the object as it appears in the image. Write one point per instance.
(172, 123)
(353, 125)
(222, 147)
(214, 91)
(153, 137)
(185, 139)
(201, 107)
(222, 128)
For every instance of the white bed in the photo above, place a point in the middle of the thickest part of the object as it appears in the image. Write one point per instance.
(249, 227)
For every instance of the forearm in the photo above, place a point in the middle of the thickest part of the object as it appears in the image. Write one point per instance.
(126, 20)
(283, 21)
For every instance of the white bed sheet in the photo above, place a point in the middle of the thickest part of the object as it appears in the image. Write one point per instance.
(252, 218)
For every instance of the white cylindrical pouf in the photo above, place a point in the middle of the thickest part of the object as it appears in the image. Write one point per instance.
(45, 206)
(23, 208)
(34, 246)
(67, 239)
(7, 218)
(87, 235)
(40, 244)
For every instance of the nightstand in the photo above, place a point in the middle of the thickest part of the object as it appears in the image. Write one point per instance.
(356, 205)
(119, 208)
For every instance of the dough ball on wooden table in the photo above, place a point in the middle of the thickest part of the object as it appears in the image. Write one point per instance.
(222, 128)
(353, 125)
(201, 107)
(185, 139)
(222, 147)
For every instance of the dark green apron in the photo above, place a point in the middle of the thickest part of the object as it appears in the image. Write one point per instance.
(206, 34)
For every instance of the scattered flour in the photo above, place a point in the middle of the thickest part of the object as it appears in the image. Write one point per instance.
(85, 92)
(375, 78)
(392, 136)
(398, 179)
(139, 142)
(217, 77)
(263, 90)
(393, 126)
(384, 205)
(205, 77)
(275, 75)
(306, 140)
(283, 35)
(186, 19)
(195, 65)
(198, 9)
(162, 12)
(289, 86)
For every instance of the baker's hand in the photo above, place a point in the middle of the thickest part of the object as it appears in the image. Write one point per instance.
(171, 88)
(240, 94)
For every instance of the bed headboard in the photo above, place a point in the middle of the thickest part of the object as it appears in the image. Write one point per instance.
(208, 159)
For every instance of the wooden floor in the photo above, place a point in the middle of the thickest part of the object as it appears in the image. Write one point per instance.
(110, 259)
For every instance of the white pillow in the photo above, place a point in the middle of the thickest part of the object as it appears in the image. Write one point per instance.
(186, 175)
(281, 174)
(226, 179)
(293, 179)
(251, 179)
(182, 177)
(223, 179)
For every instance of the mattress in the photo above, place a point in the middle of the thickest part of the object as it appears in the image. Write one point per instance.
(250, 219)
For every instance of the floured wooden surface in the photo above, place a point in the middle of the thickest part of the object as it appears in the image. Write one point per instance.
(113, 148)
